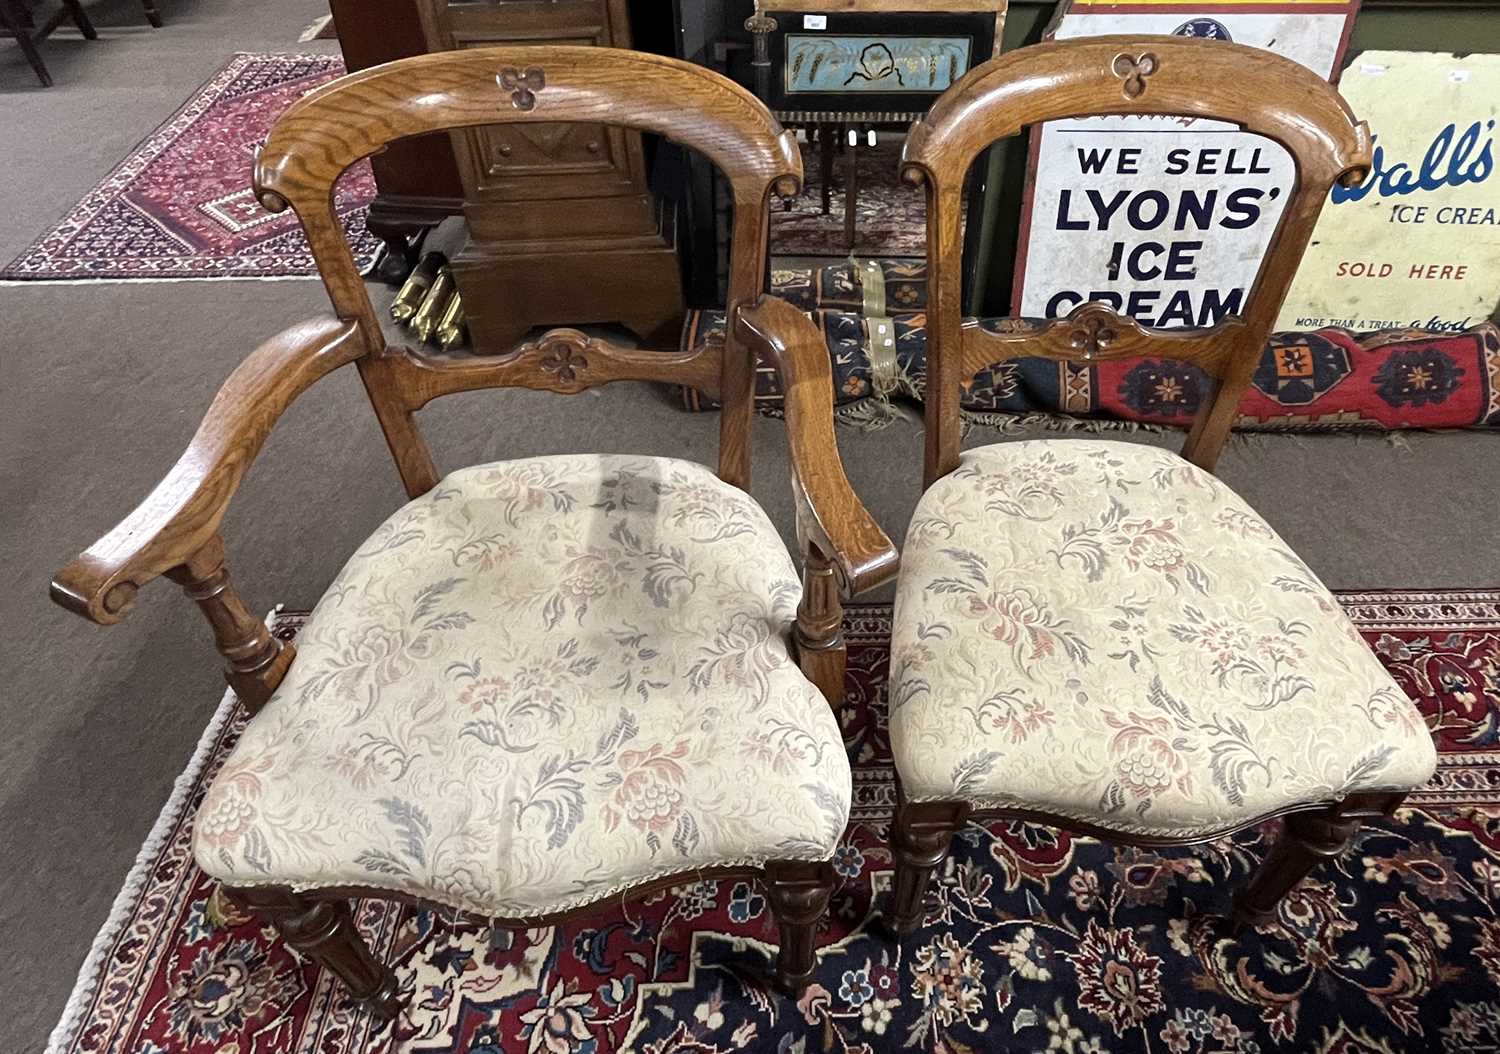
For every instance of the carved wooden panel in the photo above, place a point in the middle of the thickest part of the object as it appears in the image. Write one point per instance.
(525, 162)
(563, 227)
(520, 161)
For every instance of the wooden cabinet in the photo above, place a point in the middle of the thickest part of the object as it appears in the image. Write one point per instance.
(416, 179)
(562, 225)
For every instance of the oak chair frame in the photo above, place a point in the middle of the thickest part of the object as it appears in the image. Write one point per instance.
(1261, 92)
(175, 531)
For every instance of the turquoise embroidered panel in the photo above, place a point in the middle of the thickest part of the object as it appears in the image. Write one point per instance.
(848, 63)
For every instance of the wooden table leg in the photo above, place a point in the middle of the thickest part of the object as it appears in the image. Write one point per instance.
(826, 146)
(14, 25)
(851, 188)
(81, 19)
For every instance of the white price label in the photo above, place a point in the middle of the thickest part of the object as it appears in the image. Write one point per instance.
(814, 21)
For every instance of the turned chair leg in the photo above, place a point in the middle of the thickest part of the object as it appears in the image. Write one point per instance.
(921, 835)
(1308, 839)
(323, 930)
(798, 891)
(819, 632)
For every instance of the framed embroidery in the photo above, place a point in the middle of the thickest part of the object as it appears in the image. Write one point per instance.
(895, 61)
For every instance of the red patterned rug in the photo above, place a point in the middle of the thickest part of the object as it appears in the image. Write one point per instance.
(1034, 940)
(180, 205)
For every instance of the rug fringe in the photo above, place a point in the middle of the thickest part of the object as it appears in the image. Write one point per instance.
(87, 985)
(170, 278)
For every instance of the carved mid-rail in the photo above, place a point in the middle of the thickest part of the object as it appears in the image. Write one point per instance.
(562, 360)
(1092, 333)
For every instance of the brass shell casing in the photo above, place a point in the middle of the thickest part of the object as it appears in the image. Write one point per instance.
(450, 328)
(433, 304)
(415, 287)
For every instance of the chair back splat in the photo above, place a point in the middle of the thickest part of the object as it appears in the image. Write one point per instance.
(1261, 92)
(329, 129)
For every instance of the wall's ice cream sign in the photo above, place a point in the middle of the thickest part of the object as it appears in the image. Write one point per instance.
(1417, 244)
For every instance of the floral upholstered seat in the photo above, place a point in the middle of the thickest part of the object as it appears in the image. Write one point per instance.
(1106, 633)
(542, 682)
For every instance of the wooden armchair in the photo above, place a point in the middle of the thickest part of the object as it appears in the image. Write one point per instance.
(1101, 635)
(545, 682)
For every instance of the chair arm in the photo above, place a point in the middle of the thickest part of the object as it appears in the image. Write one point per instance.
(829, 514)
(182, 514)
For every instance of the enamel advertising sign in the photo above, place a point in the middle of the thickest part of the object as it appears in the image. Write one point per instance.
(1417, 245)
(1164, 219)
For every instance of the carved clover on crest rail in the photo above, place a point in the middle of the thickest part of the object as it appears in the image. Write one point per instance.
(1091, 335)
(522, 86)
(1134, 70)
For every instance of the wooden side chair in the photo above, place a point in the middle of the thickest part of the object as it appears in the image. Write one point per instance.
(545, 682)
(1100, 635)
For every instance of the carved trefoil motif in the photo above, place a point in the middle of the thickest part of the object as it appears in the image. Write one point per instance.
(1133, 70)
(1093, 332)
(522, 86)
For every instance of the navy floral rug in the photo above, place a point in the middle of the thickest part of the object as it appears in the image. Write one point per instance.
(1033, 940)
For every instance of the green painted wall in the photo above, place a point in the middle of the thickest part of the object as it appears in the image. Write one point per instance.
(1412, 25)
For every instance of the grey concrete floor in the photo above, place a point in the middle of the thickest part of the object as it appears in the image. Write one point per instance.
(102, 384)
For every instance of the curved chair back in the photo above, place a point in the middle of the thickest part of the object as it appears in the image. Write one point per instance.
(329, 129)
(1261, 92)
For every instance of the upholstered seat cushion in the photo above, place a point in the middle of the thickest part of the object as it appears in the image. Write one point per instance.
(1104, 632)
(538, 684)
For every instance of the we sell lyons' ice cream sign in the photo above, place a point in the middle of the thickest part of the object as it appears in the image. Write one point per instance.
(1418, 243)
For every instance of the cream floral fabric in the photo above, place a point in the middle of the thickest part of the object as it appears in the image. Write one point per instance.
(542, 682)
(1105, 632)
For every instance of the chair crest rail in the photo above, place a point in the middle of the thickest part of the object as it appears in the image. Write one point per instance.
(331, 127)
(1262, 92)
